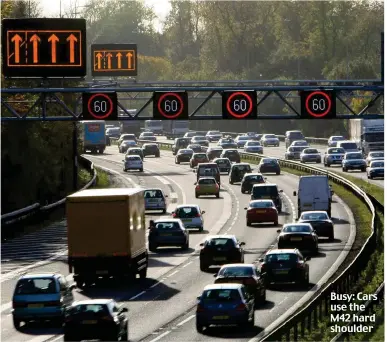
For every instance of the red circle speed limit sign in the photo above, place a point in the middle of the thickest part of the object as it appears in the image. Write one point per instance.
(99, 106)
(239, 104)
(318, 104)
(170, 105)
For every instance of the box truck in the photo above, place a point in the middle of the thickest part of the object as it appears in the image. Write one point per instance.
(106, 234)
(175, 129)
(368, 134)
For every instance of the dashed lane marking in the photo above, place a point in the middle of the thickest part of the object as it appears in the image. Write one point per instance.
(161, 336)
(185, 321)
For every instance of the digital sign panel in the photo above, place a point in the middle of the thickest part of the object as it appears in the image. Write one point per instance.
(99, 106)
(170, 105)
(239, 104)
(318, 104)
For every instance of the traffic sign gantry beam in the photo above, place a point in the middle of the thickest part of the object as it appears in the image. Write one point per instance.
(51, 95)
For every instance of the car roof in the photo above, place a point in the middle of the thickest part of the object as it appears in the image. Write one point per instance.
(261, 200)
(228, 286)
(39, 275)
(237, 265)
(93, 301)
(237, 164)
(295, 224)
(253, 174)
(201, 178)
(282, 251)
(187, 205)
(222, 236)
(167, 219)
(314, 212)
(153, 189)
(261, 185)
(359, 152)
(207, 164)
(375, 152)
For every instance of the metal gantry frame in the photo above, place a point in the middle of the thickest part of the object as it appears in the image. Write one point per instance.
(264, 90)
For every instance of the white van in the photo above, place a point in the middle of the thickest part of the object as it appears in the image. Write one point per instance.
(348, 146)
(314, 193)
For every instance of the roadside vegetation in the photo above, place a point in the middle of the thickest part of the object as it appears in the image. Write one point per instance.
(245, 41)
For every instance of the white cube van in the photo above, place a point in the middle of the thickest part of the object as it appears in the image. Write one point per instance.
(314, 193)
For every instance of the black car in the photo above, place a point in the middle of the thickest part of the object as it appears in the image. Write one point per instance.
(285, 266)
(298, 235)
(221, 250)
(291, 136)
(232, 154)
(183, 156)
(248, 275)
(180, 143)
(195, 147)
(249, 180)
(238, 171)
(96, 319)
(151, 150)
(224, 164)
(267, 191)
(269, 165)
(320, 222)
(167, 233)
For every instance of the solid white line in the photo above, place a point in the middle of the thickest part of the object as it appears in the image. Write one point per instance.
(161, 336)
(173, 273)
(187, 264)
(161, 179)
(137, 295)
(173, 195)
(186, 320)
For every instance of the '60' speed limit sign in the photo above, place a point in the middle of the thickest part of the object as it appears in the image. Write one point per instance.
(99, 106)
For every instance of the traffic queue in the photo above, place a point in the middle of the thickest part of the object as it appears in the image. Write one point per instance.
(238, 288)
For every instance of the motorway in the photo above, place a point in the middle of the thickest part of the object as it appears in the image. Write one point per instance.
(161, 308)
(279, 152)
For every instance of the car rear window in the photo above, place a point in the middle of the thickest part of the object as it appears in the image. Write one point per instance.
(265, 191)
(221, 295)
(242, 271)
(314, 216)
(297, 229)
(377, 164)
(186, 212)
(262, 204)
(254, 178)
(354, 156)
(270, 136)
(206, 181)
(310, 150)
(295, 135)
(269, 161)
(97, 309)
(167, 226)
(201, 155)
(336, 151)
(209, 171)
(348, 146)
(221, 243)
(377, 154)
(36, 286)
(153, 194)
(253, 143)
(281, 257)
(243, 167)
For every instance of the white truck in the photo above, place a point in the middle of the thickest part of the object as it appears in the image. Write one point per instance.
(368, 134)
(155, 126)
(175, 129)
(314, 193)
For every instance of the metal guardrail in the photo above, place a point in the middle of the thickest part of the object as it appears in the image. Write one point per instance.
(318, 308)
(37, 208)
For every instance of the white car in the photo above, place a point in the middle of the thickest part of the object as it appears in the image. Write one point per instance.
(155, 199)
(191, 215)
(374, 155)
(376, 169)
(332, 141)
(147, 136)
(309, 155)
(133, 162)
(270, 140)
(126, 137)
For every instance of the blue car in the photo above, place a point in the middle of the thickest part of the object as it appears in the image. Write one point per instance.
(40, 297)
(225, 304)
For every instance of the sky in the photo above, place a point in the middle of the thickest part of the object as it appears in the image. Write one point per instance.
(51, 8)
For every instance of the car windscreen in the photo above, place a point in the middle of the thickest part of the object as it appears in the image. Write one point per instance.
(153, 194)
(297, 229)
(200, 156)
(253, 143)
(186, 212)
(337, 138)
(185, 152)
(269, 161)
(262, 204)
(36, 286)
(206, 181)
(221, 295)
(221, 242)
(270, 136)
(231, 153)
(296, 135)
(242, 271)
(150, 147)
(242, 167)
(207, 171)
(300, 143)
(243, 138)
(314, 216)
(377, 154)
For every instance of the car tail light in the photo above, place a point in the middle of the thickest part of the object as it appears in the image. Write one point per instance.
(197, 187)
(197, 215)
(241, 307)
(299, 265)
(200, 308)
(107, 318)
(174, 215)
(250, 281)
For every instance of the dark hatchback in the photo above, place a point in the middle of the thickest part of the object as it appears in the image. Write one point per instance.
(249, 180)
(298, 235)
(269, 165)
(320, 222)
(183, 156)
(267, 191)
(151, 150)
(214, 152)
(220, 250)
(96, 319)
(285, 266)
(167, 233)
(232, 155)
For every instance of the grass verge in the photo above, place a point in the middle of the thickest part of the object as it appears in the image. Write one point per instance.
(371, 277)
(103, 179)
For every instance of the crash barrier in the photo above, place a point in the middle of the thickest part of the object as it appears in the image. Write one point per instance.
(317, 310)
(38, 209)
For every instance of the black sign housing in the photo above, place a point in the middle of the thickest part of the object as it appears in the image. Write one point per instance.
(41, 48)
(109, 60)
(239, 105)
(99, 106)
(170, 105)
(318, 104)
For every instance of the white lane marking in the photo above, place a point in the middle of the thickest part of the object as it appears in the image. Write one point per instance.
(277, 305)
(173, 195)
(292, 206)
(55, 339)
(186, 320)
(173, 273)
(189, 263)
(137, 295)
(296, 306)
(161, 336)
(237, 208)
(161, 179)
(131, 181)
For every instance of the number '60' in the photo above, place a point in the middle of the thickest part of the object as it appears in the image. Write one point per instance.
(100, 106)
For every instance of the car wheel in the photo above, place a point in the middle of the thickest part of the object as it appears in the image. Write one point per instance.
(141, 170)
(196, 195)
(152, 247)
(319, 161)
(16, 323)
(185, 246)
(230, 181)
(278, 173)
(315, 250)
(217, 195)
(68, 337)
(305, 280)
(370, 177)
(125, 336)
(363, 169)
(163, 211)
(251, 324)
(344, 169)
(124, 170)
(157, 155)
(203, 267)
(199, 327)
(332, 237)
(275, 223)
(142, 274)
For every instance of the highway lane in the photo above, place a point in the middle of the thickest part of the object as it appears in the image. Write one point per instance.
(159, 264)
(279, 152)
(181, 288)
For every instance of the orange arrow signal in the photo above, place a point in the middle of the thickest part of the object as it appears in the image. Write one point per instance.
(72, 39)
(17, 39)
(119, 56)
(99, 56)
(35, 39)
(129, 55)
(109, 56)
(53, 39)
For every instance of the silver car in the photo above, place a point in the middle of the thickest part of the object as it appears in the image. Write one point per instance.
(332, 141)
(155, 199)
(310, 155)
(191, 215)
(374, 155)
(270, 140)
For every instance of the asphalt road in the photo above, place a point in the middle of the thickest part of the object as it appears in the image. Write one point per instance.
(163, 303)
(279, 152)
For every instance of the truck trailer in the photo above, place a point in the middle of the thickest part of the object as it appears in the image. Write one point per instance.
(368, 134)
(175, 129)
(155, 126)
(93, 136)
(106, 235)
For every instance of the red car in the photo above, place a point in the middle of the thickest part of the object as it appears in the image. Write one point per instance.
(198, 158)
(260, 211)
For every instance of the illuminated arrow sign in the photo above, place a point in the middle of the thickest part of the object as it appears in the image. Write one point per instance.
(110, 60)
(44, 47)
